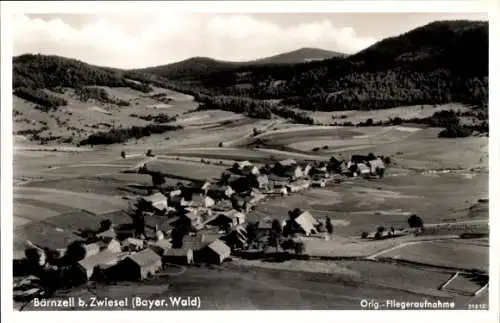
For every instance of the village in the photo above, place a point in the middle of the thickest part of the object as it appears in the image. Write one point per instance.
(201, 223)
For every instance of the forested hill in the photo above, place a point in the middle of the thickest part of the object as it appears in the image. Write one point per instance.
(440, 62)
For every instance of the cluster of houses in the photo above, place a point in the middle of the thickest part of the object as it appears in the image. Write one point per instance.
(199, 223)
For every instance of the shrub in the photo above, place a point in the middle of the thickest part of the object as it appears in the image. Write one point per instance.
(455, 131)
(40, 98)
(364, 235)
(315, 149)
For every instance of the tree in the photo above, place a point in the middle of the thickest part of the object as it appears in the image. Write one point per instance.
(251, 233)
(157, 179)
(149, 153)
(299, 248)
(414, 221)
(329, 225)
(380, 172)
(371, 156)
(105, 225)
(275, 234)
(123, 154)
(364, 235)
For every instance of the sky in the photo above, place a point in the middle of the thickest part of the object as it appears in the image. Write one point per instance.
(126, 40)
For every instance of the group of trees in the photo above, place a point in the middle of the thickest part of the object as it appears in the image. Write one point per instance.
(159, 118)
(120, 135)
(99, 94)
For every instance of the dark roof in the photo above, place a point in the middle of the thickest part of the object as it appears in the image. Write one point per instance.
(145, 257)
(193, 242)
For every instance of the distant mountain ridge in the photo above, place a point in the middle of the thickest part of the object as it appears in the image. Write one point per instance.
(196, 67)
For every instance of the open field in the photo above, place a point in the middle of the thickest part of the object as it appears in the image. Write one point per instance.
(451, 254)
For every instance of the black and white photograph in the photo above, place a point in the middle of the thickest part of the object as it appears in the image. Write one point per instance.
(193, 160)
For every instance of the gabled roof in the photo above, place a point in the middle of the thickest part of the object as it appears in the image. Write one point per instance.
(306, 221)
(193, 242)
(220, 248)
(155, 198)
(134, 241)
(145, 257)
(287, 162)
(263, 179)
(110, 234)
(242, 164)
(363, 168)
(102, 258)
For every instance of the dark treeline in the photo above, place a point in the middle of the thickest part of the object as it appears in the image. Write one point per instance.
(45, 101)
(260, 109)
(159, 118)
(120, 135)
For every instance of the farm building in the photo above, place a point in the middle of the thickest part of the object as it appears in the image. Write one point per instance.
(173, 193)
(110, 244)
(157, 201)
(132, 244)
(202, 201)
(293, 172)
(359, 159)
(91, 249)
(141, 265)
(318, 183)
(306, 169)
(306, 223)
(261, 182)
(108, 234)
(87, 268)
(199, 187)
(363, 170)
(215, 253)
(160, 246)
(226, 219)
(237, 238)
(181, 256)
(287, 163)
(298, 186)
(220, 192)
(250, 170)
(375, 165)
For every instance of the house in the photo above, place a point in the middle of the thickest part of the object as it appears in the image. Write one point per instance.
(215, 253)
(132, 244)
(237, 238)
(375, 165)
(298, 186)
(199, 187)
(202, 201)
(306, 169)
(250, 170)
(108, 234)
(359, 159)
(261, 182)
(91, 249)
(110, 244)
(173, 193)
(181, 256)
(87, 268)
(194, 217)
(287, 163)
(157, 201)
(226, 219)
(306, 223)
(141, 265)
(363, 170)
(220, 192)
(160, 246)
(293, 172)
(318, 183)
